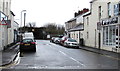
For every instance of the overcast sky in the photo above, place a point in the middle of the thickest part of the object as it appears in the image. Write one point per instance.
(48, 11)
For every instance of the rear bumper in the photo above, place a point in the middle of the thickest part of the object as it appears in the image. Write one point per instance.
(27, 47)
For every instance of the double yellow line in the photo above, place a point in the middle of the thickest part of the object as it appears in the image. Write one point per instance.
(7, 66)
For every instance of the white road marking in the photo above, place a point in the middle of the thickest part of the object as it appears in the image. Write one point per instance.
(17, 60)
(63, 53)
(72, 58)
(77, 61)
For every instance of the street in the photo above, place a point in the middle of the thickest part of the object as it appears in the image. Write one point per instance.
(53, 56)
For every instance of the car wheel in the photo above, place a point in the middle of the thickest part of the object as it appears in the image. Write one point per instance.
(77, 47)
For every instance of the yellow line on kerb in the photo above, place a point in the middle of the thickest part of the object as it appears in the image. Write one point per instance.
(11, 64)
(7, 66)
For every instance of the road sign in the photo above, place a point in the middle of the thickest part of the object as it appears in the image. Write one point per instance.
(3, 22)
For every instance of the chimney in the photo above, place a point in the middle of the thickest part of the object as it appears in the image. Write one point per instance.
(75, 14)
(85, 10)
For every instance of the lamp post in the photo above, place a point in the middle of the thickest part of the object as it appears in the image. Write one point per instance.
(21, 53)
(21, 23)
(21, 17)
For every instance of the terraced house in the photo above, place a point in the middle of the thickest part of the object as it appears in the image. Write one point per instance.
(102, 25)
(7, 30)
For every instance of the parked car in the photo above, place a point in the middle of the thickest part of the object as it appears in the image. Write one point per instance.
(71, 43)
(52, 39)
(57, 40)
(28, 44)
(63, 40)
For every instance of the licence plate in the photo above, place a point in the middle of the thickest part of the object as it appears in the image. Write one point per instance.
(27, 44)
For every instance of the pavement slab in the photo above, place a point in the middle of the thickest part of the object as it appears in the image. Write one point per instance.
(8, 55)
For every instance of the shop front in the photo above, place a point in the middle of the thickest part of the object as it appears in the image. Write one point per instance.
(110, 33)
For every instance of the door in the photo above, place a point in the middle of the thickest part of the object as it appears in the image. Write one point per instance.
(99, 40)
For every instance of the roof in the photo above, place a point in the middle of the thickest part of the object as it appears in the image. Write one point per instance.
(79, 27)
(92, 1)
(87, 14)
(73, 19)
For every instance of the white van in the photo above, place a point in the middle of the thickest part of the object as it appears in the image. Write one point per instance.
(28, 35)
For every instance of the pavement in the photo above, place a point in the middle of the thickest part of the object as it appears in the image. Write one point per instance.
(110, 54)
(9, 54)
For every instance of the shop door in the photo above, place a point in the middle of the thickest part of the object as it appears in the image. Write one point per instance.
(99, 40)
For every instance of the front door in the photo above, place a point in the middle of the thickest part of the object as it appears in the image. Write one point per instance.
(99, 40)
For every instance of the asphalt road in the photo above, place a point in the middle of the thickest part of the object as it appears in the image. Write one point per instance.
(53, 56)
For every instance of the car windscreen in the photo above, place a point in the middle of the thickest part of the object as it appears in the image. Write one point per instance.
(72, 40)
(27, 40)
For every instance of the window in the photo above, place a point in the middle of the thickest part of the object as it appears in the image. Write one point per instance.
(109, 9)
(109, 35)
(87, 35)
(3, 6)
(77, 35)
(100, 12)
(87, 20)
(117, 9)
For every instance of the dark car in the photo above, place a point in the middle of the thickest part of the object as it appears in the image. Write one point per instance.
(28, 44)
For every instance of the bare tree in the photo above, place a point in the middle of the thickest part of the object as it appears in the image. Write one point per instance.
(53, 29)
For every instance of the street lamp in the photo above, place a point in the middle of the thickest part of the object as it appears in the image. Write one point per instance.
(21, 54)
(21, 17)
(24, 19)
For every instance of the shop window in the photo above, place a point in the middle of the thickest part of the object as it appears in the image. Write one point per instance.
(109, 35)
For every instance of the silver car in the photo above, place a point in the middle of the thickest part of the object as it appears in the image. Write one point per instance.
(71, 43)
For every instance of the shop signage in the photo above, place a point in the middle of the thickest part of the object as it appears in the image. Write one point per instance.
(113, 20)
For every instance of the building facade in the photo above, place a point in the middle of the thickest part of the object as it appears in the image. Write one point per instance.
(69, 25)
(110, 28)
(102, 25)
(6, 24)
(75, 25)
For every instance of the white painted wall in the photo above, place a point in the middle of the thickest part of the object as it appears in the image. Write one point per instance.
(3, 28)
(92, 41)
